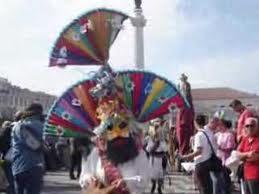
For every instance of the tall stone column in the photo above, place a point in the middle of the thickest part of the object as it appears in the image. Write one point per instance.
(139, 22)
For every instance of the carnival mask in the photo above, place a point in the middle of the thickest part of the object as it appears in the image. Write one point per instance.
(117, 128)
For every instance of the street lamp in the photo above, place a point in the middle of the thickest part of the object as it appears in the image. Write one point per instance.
(139, 22)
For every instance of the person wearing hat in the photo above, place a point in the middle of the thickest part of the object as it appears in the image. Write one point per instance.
(244, 113)
(185, 118)
(27, 157)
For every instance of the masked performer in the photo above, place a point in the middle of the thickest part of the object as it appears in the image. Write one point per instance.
(156, 148)
(117, 156)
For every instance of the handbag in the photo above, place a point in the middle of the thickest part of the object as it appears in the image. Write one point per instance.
(215, 163)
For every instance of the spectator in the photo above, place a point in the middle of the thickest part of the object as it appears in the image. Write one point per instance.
(63, 152)
(208, 179)
(76, 145)
(202, 153)
(27, 164)
(248, 151)
(50, 154)
(244, 113)
(226, 144)
(5, 150)
(225, 140)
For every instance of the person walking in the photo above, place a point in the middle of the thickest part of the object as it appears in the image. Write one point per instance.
(27, 158)
(248, 151)
(75, 157)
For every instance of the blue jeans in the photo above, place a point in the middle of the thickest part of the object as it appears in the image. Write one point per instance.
(29, 182)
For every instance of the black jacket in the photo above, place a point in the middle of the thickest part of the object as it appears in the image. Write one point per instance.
(5, 140)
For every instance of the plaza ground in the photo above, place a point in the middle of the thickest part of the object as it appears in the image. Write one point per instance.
(59, 183)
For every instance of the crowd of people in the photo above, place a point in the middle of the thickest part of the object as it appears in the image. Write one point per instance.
(215, 147)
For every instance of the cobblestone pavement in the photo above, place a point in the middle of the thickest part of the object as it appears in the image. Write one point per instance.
(59, 183)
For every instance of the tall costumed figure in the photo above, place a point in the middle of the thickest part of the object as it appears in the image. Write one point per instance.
(185, 117)
(108, 107)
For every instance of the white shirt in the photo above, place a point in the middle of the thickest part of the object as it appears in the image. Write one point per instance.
(92, 167)
(200, 141)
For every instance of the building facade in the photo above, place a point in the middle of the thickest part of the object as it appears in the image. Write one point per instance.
(209, 100)
(14, 98)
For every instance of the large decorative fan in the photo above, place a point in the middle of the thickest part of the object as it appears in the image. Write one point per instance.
(145, 95)
(87, 40)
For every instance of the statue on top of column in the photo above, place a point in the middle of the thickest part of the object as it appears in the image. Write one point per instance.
(138, 4)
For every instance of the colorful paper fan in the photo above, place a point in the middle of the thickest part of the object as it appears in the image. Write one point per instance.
(148, 95)
(145, 94)
(87, 40)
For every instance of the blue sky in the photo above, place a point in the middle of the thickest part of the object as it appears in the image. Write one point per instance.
(216, 43)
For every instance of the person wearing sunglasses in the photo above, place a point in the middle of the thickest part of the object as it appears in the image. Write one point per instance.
(248, 151)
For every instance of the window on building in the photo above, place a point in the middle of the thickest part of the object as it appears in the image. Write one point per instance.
(16, 101)
(20, 101)
(5, 100)
(13, 100)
